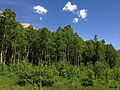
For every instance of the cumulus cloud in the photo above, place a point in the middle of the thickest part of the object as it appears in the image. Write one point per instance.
(39, 9)
(75, 20)
(82, 13)
(69, 7)
(41, 18)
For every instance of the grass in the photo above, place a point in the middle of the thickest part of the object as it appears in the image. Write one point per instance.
(10, 83)
(10, 78)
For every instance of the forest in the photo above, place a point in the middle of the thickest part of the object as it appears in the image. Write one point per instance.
(39, 58)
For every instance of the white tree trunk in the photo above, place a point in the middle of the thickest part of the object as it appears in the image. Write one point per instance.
(1, 59)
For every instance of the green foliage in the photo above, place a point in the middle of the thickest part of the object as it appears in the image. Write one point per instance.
(87, 82)
(42, 45)
(100, 70)
(113, 84)
(46, 74)
(115, 74)
(36, 75)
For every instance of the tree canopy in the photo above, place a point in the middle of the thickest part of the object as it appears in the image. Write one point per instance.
(42, 45)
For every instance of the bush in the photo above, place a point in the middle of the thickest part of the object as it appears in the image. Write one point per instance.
(37, 74)
(112, 84)
(48, 74)
(100, 70)
(87, 82)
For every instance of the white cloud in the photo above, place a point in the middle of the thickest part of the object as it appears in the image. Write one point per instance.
(39, 9)
(82, 13)
(75, 20)
(69, 7)
(41, 18)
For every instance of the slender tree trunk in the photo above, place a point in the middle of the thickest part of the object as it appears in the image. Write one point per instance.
(1, 54)
(18, 58)
(14, 56)
(1, 57)
(11, 58)
(28, 51)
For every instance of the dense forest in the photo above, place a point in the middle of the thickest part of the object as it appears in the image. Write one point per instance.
(42, 57)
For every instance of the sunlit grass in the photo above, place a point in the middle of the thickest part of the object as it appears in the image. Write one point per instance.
(10, 83)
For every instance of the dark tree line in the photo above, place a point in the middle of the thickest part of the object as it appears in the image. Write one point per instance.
(42, 45)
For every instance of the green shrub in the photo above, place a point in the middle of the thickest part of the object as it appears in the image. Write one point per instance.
(29, 74)
(100, 70)
(87, 82)
(112, 84)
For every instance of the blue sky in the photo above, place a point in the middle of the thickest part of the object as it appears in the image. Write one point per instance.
(101, 17)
